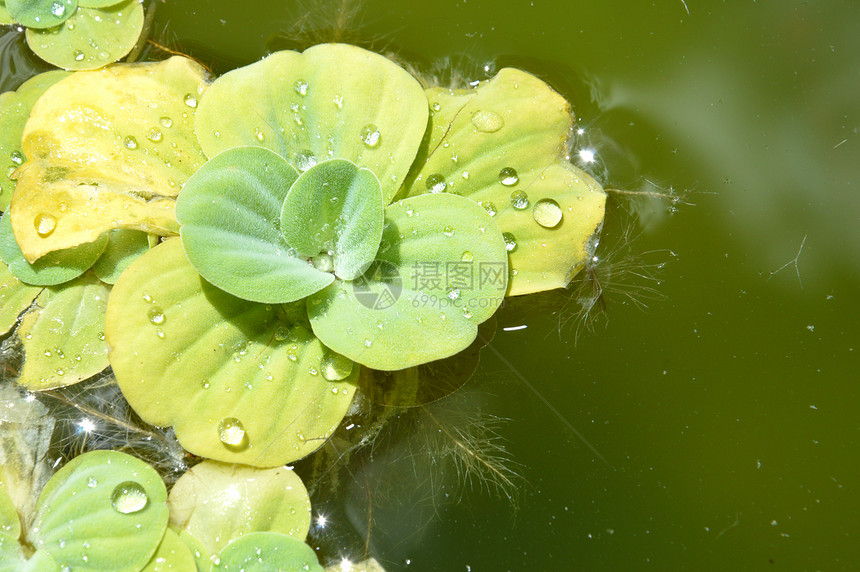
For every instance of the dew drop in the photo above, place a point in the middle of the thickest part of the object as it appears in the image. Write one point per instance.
(45, 224)
(335, 367)
(128, 497)
(467, 313)
(301, 87)
(367, 343)
(92, 482)
(467, 257)
(259, 134)
(156, 315)
(370, 135)
(487, 121)
(154, 135)
(166, 122)
(281, 333)
(509, 177)
(448, 230)
(547, 213)
(205, 384)
(58, 9)
(130, 142)
(519, 200)
(436, 183)
(490, 208)
(510, 241)
(190, 100)
(453, 293)
(304, 160)
(17, 157)
(79, 55)
(232, 433)
(436, 106)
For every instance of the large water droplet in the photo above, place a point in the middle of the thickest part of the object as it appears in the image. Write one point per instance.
(166, 122)
(323, 262)
(128, 497)
(79, 55)
(466, 257)
(547, 213)
(487, 121)
(58, 9)
(130, 142)
(335, 366)
(304, 160)
(232, 433)
(453, 293)
(45, 224)
(448, 230)
(436, 183)
(510, 241)
(190, 100)
(17, 157)
(156, 315)
(508, 177)
(154, 135)
(370, 135)
(92, 482)
(489, 207)
(301, 87)
(519, 200)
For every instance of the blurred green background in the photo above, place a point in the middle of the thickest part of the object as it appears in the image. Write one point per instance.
(727, 409)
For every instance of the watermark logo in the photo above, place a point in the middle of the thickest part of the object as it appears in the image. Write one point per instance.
(379, 287)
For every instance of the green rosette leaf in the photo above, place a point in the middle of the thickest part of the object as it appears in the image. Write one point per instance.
(334, 210)
(15, 297)
(55, 267)
(229, 211)
(331, 101)
(40, 14)
(107, 149)
(265, 551)
(441, 270)
(15, 109)
(216, 503)
(104, 510)
(123, 248)
(12, 558)
(172, 554)
(63, 334)
(90, 38)
(504, 146)
(238, 381)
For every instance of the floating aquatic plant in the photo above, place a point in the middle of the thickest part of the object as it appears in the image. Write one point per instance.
(77, 34)
(241, 261)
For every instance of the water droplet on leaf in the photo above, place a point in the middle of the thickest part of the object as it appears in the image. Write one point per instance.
(304, 160)
(510, 241)
(232, 433)
(519, 200)
(302, 87)
(128, 497)
(436, 183)
(370, 135)
(45, 224)
(487, 121)
(190, 100)
(130, 142)
(508, 177)
(547, 213)
(156, 315)
(335, 367)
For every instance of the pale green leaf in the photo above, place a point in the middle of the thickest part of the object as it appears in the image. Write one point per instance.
(332, 101)
(41, 13)
(123, 247)
(10, 524)
(238, 381)
(335, 210)
(12, 558)
(63, 334)
(266, 551)
(105, 505)
(229, 212)
(218, 502)
(441, 270)
(108, 149)
(15, 109)
(5, 17)
(15, 297)
(510, 138)
(55, 267)
(91, 37)
(172, 555)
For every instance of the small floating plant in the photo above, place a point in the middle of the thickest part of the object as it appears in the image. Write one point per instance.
(247, 255)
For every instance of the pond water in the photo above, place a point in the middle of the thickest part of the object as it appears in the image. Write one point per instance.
(711, 422)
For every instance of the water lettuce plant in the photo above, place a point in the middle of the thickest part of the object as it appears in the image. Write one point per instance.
(241, 251)
(77, 34)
